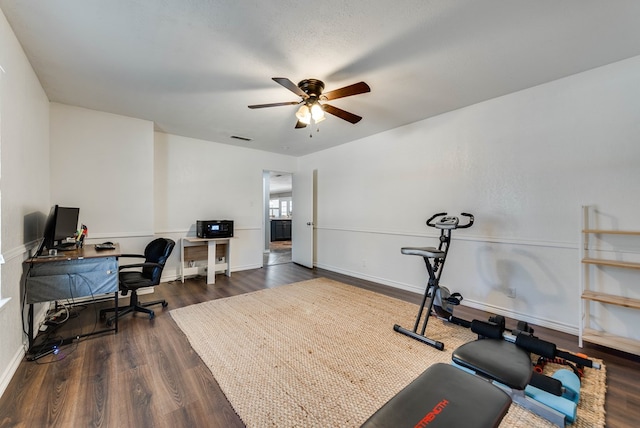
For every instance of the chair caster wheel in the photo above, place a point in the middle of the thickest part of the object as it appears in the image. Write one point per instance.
(152, 315)
(165, 304)
(110, 323)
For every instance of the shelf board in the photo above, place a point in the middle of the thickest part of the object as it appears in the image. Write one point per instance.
(221, 267)
(612, 232)
(613, 263)
(188, 271)
(611, 299)
(612, 341)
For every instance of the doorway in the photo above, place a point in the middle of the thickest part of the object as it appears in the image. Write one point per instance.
(278, 214)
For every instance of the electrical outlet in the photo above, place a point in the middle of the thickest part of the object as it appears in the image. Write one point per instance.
(511, 292)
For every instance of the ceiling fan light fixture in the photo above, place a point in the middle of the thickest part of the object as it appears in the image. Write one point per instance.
(303, 114)
(311, 91)
(317, 112)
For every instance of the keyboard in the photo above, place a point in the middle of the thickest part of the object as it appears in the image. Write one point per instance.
(64, 246)
(105, 247)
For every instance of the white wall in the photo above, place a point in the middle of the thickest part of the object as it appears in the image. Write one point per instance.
(103, 163)
(129, 183)
(203, 180)
(24, 186)
(523, 164)
(136, 184)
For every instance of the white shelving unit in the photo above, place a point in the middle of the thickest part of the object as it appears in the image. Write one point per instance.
(215, 251)
(588, 295)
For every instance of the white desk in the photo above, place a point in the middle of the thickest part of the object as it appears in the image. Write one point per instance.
(215, 251)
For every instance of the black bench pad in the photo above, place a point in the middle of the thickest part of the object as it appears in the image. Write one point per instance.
(497, 360)
(443, 396)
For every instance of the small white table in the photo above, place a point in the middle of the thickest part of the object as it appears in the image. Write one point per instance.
(215, 251)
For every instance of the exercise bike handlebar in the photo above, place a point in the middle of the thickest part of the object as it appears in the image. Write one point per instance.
(449, 222)
(430, 222)
(470, 223)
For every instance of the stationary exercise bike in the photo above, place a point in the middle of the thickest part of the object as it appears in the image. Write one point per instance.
(434, 258)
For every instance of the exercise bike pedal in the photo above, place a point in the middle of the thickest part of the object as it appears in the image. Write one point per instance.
(454, 298)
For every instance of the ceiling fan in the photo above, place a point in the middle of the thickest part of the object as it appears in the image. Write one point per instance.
(310, 90)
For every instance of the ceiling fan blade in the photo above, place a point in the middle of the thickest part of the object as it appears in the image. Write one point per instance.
(300, 125)
(347, 91)
(290, 86)
(342, 114)
(288, 103)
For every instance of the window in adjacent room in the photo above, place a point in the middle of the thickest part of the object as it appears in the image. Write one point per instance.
(274, 208)
(285, 208)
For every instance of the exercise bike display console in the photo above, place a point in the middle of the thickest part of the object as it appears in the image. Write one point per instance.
(446, 223)
(434, 259)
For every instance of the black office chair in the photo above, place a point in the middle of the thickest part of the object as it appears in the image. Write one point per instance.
(155, 256)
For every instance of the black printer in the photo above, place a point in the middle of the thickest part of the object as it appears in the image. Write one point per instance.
(210, 229)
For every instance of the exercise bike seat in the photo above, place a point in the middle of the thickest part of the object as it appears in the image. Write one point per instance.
(496, 360)
(429, 252)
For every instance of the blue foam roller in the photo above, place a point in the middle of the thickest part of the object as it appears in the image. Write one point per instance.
(570, 382)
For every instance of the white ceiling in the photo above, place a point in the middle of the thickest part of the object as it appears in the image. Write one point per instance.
(280, 182)
(193, 66)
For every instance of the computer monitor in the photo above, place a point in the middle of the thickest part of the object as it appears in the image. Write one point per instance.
(62, 223)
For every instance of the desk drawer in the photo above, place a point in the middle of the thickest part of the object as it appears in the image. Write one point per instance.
(71, 279)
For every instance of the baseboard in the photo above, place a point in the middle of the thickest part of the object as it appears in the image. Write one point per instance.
(372, 278)
(178, 277)
(11, 370)
(246, 267)
(542, 322)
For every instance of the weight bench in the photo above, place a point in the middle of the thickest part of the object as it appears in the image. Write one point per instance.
(443, 396)
(504, 359)
(510, 368)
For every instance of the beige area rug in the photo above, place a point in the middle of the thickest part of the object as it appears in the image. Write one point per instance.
(321, 353)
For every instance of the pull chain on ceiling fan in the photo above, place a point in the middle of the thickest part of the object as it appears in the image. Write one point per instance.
(310, 90)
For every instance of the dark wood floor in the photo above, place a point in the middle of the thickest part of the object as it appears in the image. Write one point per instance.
(147, 375)
(279, 253)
